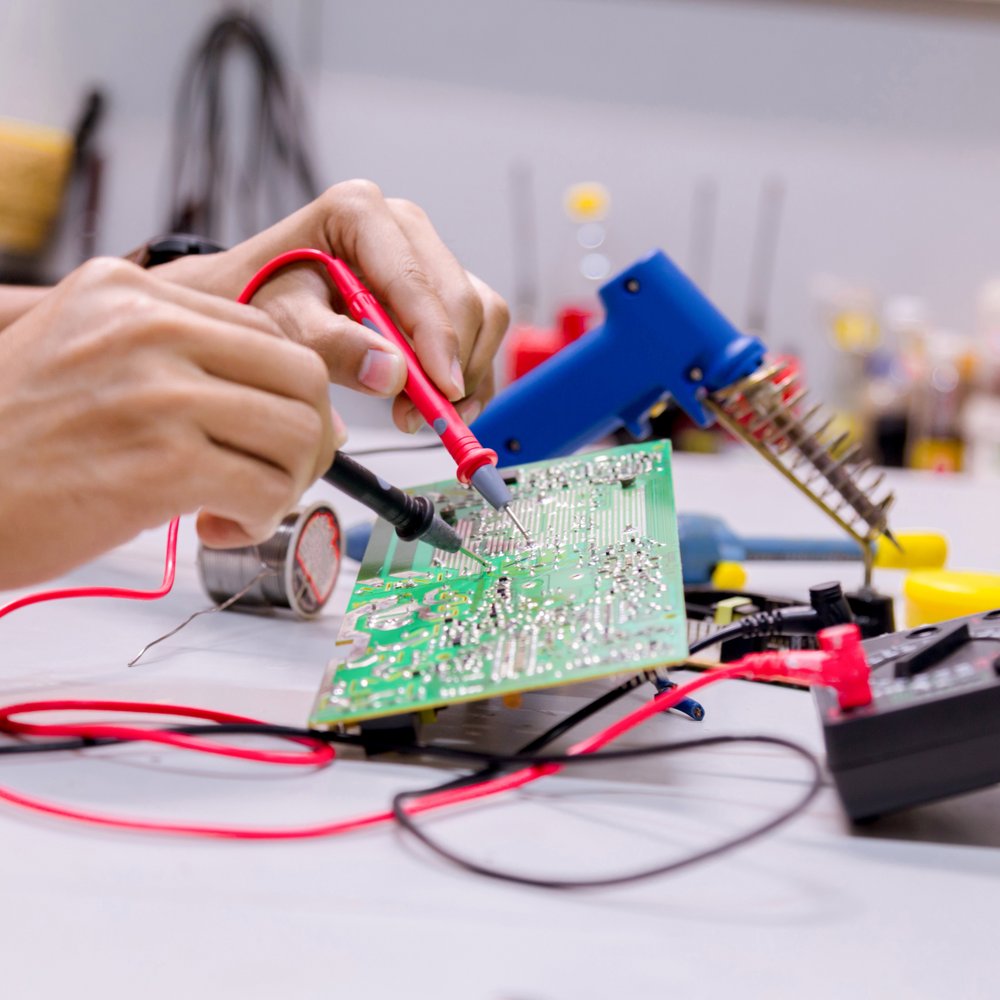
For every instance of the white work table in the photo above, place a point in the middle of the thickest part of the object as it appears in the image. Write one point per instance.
(903, 909)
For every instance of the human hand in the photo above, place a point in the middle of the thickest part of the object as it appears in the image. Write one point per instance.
(126, 400)
(455, 321)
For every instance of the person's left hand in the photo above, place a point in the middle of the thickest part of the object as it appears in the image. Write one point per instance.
(454, 320)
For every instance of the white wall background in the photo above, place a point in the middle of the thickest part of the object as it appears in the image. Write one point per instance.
(882, 119)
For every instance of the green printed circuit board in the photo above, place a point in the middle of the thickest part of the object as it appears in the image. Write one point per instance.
(599, 591)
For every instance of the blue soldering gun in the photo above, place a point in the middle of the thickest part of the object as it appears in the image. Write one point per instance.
(660, 337)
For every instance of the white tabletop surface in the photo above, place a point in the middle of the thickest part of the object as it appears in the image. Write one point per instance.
(904, 909)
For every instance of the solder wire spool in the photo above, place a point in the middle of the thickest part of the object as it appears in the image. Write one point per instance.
(296, 568)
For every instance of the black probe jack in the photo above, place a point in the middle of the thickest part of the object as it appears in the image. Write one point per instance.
(827, 606)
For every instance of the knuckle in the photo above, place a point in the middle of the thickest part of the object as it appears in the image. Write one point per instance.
(497, 312)
(103, 275)
(315, 377)
(409, 274)
(163, 401)
(278, 493)
(270, 496)
(305, 426)
(403, 208)
(104, 270)
(358, 191)
(140, 312)
(339, 437)
(466, 308)
(487, 387)
(347, 205)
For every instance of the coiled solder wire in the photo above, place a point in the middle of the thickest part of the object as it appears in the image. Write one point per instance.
(295, 568)
(283, 577)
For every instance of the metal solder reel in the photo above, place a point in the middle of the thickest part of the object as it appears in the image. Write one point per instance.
(296, 568)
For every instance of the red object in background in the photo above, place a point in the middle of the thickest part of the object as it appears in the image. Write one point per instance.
(529, 346)
(789, 373)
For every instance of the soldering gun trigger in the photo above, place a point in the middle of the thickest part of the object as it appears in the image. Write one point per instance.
(636, 417)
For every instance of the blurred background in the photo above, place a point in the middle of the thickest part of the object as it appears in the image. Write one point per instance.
(827, 171)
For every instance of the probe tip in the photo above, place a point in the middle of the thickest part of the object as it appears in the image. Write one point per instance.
(468, 553)
(520, 527)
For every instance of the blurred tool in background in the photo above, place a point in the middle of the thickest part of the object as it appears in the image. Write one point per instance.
(88, 175)
(227, 185)
(934, 438)
(763, 257)
(886, 379)
(581, 267)
(51, 182)
(524, 230)
(918, 396)
(707, 543)
(35, 166)
(704, 210)
(981, 414)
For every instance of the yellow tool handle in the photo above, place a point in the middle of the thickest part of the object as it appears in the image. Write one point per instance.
(917, 550)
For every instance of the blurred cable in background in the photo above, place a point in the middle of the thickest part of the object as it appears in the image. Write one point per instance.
(229, 181)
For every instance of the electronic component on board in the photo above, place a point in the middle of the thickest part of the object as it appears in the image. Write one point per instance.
(598, 593)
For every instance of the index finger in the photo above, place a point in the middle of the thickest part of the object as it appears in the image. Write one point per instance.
(366, 234)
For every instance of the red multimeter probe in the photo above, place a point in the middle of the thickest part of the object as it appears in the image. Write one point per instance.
(476, 465)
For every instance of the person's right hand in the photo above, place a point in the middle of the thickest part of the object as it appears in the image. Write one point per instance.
(126, 400)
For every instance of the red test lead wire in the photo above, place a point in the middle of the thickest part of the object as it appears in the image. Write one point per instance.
(319, 753)
(475, 465)
(169, 572)
(839, 663)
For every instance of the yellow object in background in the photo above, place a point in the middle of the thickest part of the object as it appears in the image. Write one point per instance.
(587, 202)
(935, 595)
(920, 550)
(937, 454)
(855, 331)
(729, 576)
(34, 166)
(725, 611)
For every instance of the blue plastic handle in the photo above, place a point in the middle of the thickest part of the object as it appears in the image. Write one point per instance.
(660, 337)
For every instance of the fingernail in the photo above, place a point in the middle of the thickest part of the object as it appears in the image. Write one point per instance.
(413, 422)
(469, 410)
(458, 378)
(381, 371)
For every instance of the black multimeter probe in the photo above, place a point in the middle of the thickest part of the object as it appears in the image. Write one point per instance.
(413, 517)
